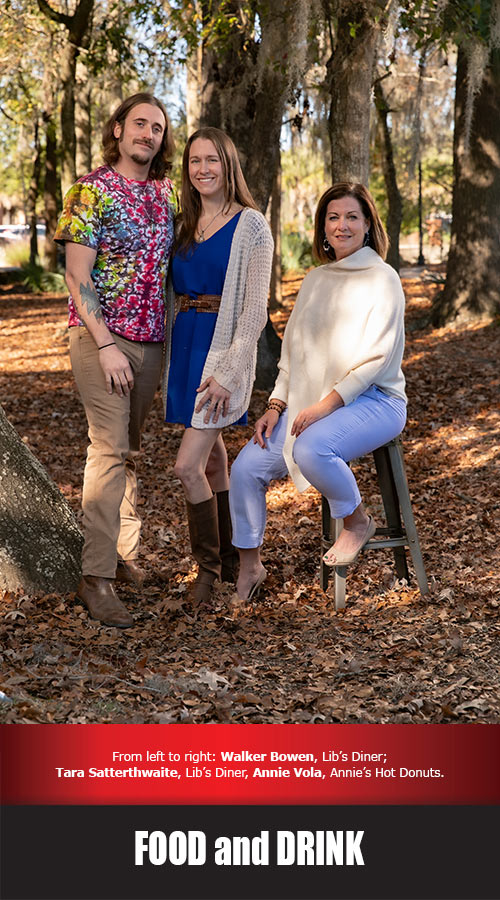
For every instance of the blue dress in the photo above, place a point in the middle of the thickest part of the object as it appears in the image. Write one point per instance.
(202, 270)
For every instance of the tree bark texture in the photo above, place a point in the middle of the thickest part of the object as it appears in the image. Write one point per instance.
(394, 200)
(83, 126)
(78, 30)
(245, 85)
(276, 273)
(51, 182)
(194, 70)
(472, 289)
(33, 191)
(40, 542)
(350, 78)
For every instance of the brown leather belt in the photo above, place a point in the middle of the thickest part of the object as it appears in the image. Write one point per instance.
(201, 303)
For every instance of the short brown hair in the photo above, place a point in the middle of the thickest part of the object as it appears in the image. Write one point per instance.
(377, 238)
(235, 186)
(161, 163)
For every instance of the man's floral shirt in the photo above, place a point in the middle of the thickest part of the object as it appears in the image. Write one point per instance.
(131, 226)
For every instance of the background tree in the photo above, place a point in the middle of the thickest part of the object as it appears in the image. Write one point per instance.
(354, 29)
(247, 74)
(471, 291)
(472, 287)
(394, 199)
(77, 28)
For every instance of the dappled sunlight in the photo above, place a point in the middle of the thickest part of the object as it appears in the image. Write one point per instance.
(389, 656)
(37, 337)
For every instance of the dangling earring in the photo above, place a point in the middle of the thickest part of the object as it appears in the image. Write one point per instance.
(366, 242)
(326, 245)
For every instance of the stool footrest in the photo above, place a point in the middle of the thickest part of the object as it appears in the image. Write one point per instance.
(387, 542)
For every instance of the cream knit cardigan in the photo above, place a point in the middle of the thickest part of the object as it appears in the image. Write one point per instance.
(346, 331)
(242, 315)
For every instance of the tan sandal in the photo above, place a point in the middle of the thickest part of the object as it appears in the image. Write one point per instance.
(338, 561)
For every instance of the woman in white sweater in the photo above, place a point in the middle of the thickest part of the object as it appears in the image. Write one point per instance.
(340, 389)
(220, 271)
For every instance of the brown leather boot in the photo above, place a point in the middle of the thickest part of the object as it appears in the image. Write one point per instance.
(128, 571)
(204, 535)
(102, 601)
(228, 554)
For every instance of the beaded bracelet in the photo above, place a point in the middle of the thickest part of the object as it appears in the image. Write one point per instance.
(277, 406)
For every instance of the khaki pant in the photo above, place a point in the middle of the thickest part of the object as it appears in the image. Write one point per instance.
(110, 521)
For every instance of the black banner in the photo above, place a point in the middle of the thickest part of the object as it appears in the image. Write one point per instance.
(249, 852)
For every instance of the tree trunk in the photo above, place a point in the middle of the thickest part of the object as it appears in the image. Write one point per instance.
(194, 66)
(276, 274)
(33, 193)
(78, 27)
(50, 191)
(350, 78)
(472, 288)
(395, 203)
(40, 542)
(83, 128)
(268, 354)
(68, 134)
(245, 84)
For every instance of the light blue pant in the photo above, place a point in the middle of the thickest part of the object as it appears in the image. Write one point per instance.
(321, 452)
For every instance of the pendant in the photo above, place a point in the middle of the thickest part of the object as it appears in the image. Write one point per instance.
(153, 227)
(201, 239)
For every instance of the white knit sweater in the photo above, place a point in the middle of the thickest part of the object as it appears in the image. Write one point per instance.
(346, 332)
(242, 315)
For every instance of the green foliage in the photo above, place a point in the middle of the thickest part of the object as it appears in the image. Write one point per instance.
(304, 179)
(40, 281)
(437, 180)
(458, 21)
(17, 253)
(296, 251)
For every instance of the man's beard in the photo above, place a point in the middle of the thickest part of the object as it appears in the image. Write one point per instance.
(140, 160)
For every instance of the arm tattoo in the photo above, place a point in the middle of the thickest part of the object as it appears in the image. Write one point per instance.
(90, 300)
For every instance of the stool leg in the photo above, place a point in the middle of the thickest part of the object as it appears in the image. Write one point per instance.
(403, 492)
(324, 570)
(340, 572)
(391, 506)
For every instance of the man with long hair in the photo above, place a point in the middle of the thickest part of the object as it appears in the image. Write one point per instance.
(117, 225)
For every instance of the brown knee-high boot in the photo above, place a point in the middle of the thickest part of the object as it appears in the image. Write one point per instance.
(228, 553)
(204, 535)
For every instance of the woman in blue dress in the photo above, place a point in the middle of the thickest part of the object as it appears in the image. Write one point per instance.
(220, 272)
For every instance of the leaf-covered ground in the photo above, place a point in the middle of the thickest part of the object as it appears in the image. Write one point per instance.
(390, 656)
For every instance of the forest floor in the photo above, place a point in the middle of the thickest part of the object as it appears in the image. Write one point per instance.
(390, 656)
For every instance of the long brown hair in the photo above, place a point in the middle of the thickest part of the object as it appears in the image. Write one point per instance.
(377, 237)
(161, 163)
(235, 186)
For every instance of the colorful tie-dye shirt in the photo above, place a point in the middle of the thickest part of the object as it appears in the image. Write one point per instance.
(131, 226)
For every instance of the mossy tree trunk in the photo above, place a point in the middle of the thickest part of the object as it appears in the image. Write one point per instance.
(40, 542)
(247, 79)
(349, 79)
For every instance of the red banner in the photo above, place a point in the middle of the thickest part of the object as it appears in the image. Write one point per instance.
(250, 764)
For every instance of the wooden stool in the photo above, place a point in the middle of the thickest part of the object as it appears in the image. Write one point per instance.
(397, 505)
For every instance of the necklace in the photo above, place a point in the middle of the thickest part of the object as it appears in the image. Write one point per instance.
(201, 231)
